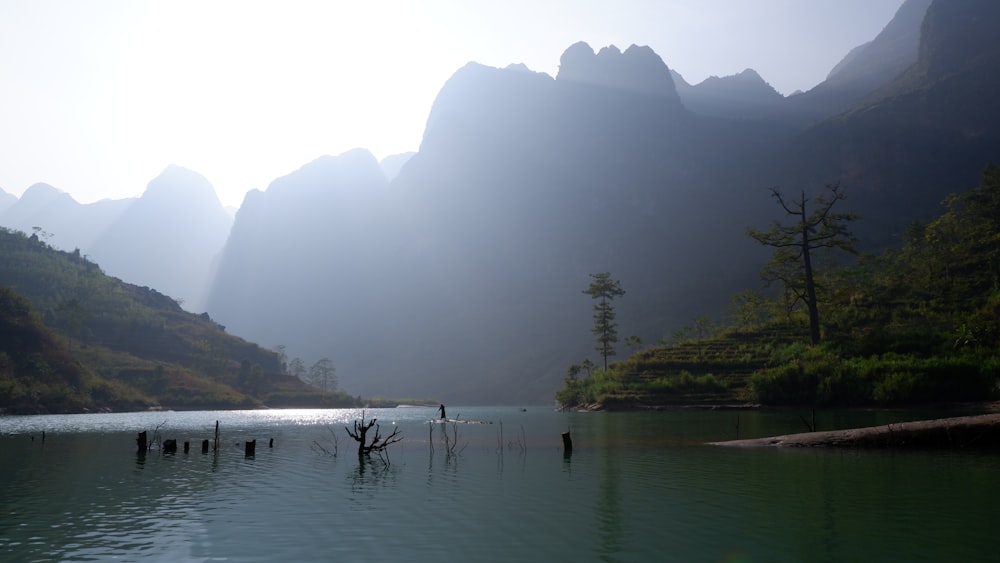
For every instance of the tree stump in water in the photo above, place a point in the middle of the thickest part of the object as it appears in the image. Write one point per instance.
(170, 446)
(250, 448)
(141, 441)
(567, 443)
(204, 446)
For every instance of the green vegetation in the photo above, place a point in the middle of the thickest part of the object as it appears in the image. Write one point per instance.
(916, 324)
(74, 340)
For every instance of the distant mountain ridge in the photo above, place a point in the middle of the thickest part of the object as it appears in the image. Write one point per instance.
(740, 96)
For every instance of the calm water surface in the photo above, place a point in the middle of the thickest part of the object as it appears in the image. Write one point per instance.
(637, 487)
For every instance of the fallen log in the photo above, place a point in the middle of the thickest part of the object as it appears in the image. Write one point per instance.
(982, 431)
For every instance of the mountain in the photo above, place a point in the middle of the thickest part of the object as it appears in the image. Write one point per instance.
(931, 130)
(312, 256)
(638, 70)
(463, 281)
(741, 96)
(865, 69)
(168, 238)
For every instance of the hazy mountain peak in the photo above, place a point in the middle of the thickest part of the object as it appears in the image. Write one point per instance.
(742, 95)
(609, 52)
(41, 195)
(356, 169)
(178, 183)
(41, 190)
(639, 69)
(476, 92)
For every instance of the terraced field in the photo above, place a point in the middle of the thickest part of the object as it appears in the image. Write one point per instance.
(711, 371)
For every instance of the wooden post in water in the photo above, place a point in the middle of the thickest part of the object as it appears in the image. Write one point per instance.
(270, 443)
(170, 446)
(567, 443)
(141, 441)
(251, 448)
(216, 447)
(204, 446)
(187, 446)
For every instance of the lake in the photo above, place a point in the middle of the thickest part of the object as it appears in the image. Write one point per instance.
(637, 487)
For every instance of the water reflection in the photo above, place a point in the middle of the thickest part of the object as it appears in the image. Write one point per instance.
(608, 508)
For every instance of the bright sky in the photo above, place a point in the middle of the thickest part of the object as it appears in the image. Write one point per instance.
(98, 97)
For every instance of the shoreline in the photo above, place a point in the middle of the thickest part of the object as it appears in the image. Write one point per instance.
(979, 431)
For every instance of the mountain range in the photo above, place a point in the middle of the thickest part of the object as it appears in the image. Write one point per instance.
(457, 272)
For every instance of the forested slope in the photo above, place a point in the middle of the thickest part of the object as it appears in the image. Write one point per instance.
(77, 339)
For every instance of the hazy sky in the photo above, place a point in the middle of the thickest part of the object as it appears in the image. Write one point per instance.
(98, 97)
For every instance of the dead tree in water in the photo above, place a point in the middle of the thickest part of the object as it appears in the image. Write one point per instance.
(378, 444)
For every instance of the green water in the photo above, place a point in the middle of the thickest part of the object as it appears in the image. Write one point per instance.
(637, 487)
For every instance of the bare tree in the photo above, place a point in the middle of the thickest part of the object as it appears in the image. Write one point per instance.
(378, 443)
(795, 242)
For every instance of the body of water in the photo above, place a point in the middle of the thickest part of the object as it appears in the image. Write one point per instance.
(637, 487)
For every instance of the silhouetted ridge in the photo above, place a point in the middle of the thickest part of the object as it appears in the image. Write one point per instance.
(478, 96)
(742, 95)
(179, 185)
(866, 70)
(638, 70)
(893, 50)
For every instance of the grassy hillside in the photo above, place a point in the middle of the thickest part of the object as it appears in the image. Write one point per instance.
(76, 339)
(38, 374)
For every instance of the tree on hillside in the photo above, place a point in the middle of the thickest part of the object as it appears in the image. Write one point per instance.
(796, 241)
(282, 354)
(604, 290)
(964, 242)
(297, 369)
(322, 374)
